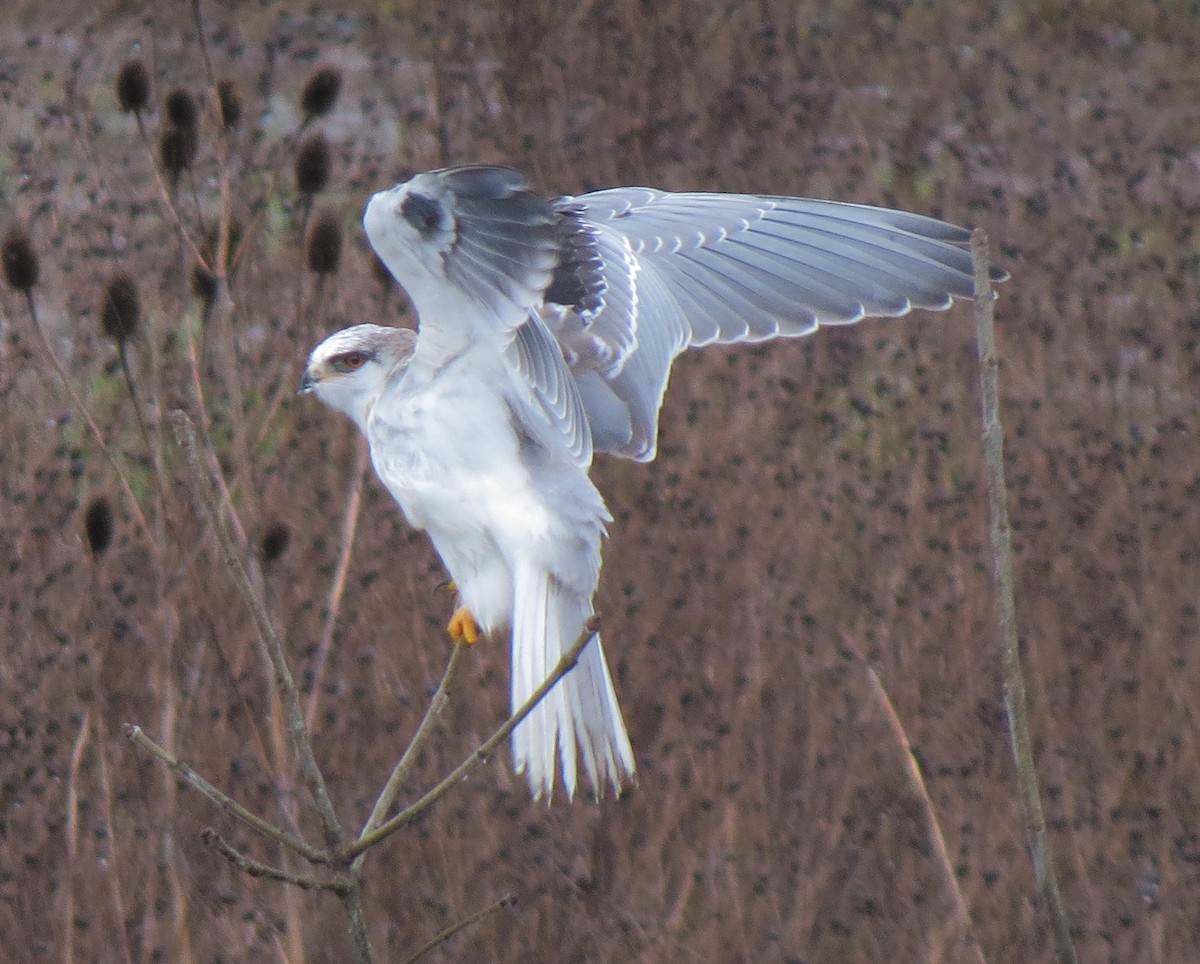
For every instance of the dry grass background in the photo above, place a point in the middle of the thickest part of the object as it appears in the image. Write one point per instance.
(811, 500)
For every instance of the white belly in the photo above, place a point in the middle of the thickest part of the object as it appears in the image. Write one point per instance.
(449, 454)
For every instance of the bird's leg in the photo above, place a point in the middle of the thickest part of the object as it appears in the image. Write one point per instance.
(462, 627)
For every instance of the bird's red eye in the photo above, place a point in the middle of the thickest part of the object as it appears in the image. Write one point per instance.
(352, 361)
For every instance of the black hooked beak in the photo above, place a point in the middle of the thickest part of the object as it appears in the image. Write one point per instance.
(307, 384)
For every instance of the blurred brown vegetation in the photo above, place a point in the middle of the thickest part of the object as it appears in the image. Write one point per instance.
(811, 500)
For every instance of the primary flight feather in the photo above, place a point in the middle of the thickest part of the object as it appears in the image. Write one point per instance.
(547, 329)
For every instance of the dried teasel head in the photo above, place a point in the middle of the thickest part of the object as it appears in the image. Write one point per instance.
(133, 86)
(274, 542)
(20, 260)
(120, 308)
(176, 149)
(313, 162)
(323, 249)
(98, 525)
(180, 135)
(180, 108)
(229, 102)
(320, 92)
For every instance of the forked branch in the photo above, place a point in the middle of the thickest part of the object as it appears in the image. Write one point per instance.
(407, 816)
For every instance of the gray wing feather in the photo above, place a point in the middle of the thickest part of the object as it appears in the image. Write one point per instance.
(538, 357)
(676, 270)
(499, 239)
(641, 381)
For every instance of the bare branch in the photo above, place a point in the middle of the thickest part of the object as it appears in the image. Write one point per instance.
(1015, 701)
(256, 868)
(564, 666)
(138, 737)
(338, 586)
(404, 767)
(268, 639)
(434, 942)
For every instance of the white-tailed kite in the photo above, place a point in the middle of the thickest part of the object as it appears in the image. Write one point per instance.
(547, 329)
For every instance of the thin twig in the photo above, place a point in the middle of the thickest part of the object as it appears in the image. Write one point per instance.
(256, 868)
(218, 478)
(223, 302)
(338, 586)
(439, 939)
(82, 409)
(269, 639)
(72, 827)
(115, 875)
(138, 737)
(913, 769)
(284, 387)
(168, 854)
(407, 816)
(305, 213)
(409, 758)
(166, 199)
(154, 452)
(143, 425)
(1014, 681)
(202, 41)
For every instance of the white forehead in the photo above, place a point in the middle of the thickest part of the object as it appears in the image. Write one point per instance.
(357, 338)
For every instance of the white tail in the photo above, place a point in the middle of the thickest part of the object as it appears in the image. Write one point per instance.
(580, 715)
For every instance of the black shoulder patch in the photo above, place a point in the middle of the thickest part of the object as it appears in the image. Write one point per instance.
(422, 212)
(578, 281)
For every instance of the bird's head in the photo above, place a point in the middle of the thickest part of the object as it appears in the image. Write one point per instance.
(349, 369)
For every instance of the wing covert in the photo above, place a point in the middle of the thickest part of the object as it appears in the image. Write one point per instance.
(538, 358)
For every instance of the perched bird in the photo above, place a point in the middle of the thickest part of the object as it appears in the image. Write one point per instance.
(547, 329)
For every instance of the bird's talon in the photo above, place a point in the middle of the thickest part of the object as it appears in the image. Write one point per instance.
(462, 627)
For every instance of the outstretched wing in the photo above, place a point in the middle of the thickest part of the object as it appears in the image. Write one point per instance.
(645, 274)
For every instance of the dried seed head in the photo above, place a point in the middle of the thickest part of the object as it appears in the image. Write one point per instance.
(98, 526)
(313, 161)
(229, 100)
(180, 108)
(324, 248)
(274, 542)
(20, 261)
(204, 282)
(176, 149)
(204, 286)
(120, 308)
(320, 92)
(133, 86)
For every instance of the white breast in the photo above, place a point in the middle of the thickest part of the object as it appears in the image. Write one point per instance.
(447, 450)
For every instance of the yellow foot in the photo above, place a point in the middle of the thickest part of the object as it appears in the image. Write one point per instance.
(462, 627)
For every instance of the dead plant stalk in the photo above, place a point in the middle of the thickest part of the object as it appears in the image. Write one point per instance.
(1015, 702)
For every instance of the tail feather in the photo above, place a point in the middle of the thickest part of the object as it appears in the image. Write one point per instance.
(579, 720)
